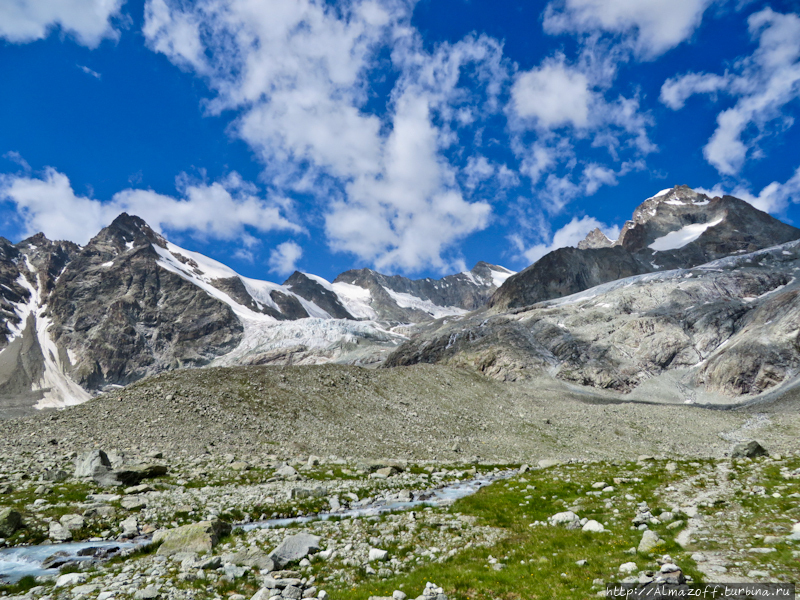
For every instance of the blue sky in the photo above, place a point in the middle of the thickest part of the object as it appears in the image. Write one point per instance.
(412, 137)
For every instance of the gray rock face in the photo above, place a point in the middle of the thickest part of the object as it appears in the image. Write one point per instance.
(294, 548)
(595, 239)
(90, 463)
(724, 326)
(124, 317)
(679, 229)
(467, 291)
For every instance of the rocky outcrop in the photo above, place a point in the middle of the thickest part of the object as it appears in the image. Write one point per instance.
(728, 327)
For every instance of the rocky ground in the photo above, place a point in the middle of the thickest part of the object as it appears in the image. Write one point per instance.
(607, 491)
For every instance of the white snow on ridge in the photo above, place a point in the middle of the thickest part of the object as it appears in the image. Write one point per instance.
(187, 272)
(436, 311)
(499, 277)
(356, 299)
(683, 236)
(659, 194)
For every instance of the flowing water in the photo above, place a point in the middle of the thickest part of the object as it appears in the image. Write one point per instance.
(17, 562)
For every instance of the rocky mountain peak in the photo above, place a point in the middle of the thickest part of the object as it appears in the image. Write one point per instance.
(676, 228)
(595, 239)
(127, 232)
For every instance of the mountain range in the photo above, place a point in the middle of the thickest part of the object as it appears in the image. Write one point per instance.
(694, 302)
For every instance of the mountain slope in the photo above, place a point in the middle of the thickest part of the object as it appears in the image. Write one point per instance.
(728, 328)
(76, 320)
(677, 228)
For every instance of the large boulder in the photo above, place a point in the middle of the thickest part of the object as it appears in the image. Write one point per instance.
(91, 463)
(130, 475)
(10, 521)
(749, 449)
(197, 538)
(294, 548)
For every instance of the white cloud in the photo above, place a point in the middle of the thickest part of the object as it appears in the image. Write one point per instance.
(651, 27)
(283, 259)
(773, 198)
(764, 83)
(89, 71)
(569, 235)
(298, 75)
(565, 105)
(677, 90)
(88, 21)
(553, 95)
(220, 210)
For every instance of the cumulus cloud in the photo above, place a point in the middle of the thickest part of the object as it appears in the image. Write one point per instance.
(763, 83)
(677, 90)
(221, 210)
(774, 198)
(566, 106)
(569, 235)
(298, 75)
(553, 95)
(283, 258)
(651, 27)
(88, 21)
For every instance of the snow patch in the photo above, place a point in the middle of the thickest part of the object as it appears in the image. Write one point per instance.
(356, 299)
(58, 390)
(408, 301)
(659, 194)
(499, 277)
(683, 236)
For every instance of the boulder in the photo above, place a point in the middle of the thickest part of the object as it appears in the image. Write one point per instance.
(72, 522)
(377, 554)
(130, 527)
(749, 449)
(650, 541)
(92, 462)
(564, 518)
(59, 533)
(593, 526)
(197, 538)
(10, 521)
(294, 548)
(286, 471)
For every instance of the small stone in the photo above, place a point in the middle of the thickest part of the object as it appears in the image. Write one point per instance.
(628, 567)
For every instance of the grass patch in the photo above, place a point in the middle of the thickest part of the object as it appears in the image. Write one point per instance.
(540, 561)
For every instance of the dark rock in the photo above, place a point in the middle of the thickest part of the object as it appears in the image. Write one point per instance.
(751, 449)
(10, 521)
